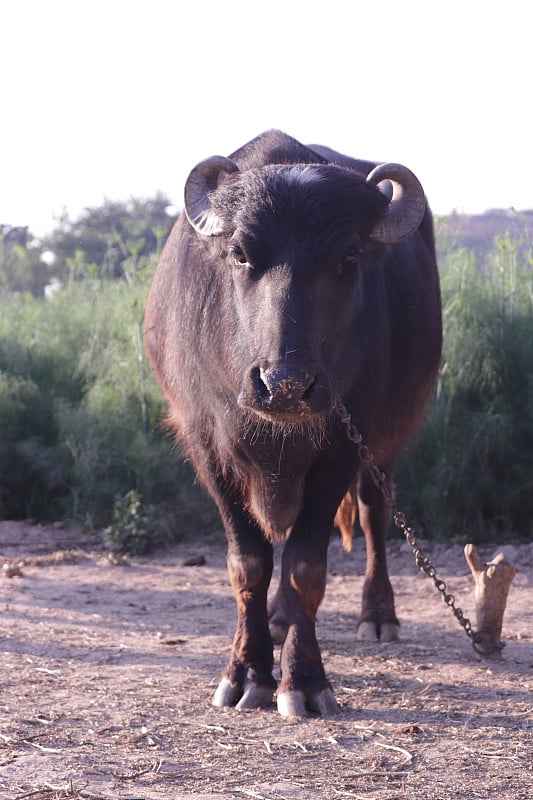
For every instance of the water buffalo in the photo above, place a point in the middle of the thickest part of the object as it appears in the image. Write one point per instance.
(296, 278)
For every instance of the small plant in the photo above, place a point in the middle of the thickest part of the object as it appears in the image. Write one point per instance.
(133, 526)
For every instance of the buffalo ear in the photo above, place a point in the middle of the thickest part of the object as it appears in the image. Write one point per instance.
(202, 180)
(407, 202)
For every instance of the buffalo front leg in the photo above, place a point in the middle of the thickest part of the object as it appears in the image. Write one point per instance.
(304, 686)
(378, 620)
(247, 681)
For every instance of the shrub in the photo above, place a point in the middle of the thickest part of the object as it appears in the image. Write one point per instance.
(133, 525)
(469, 474)
(28, 456)
(80, 411)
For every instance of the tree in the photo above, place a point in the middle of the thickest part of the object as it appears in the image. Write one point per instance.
(110, 235)
(21, 265)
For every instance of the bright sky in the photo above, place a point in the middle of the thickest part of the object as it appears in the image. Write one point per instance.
(119, 98)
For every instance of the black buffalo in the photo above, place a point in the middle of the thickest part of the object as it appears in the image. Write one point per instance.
(297, 278)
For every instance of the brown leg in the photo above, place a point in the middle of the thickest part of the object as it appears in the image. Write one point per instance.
(304, 686)
(277, 616)
(247, 681)
(378, 618)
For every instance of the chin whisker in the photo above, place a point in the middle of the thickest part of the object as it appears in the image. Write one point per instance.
(259, 429)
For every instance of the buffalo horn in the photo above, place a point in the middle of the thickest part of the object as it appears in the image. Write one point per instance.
(203, 179)
(407, 202)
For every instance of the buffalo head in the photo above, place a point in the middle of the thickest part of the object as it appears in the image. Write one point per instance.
(293, 241)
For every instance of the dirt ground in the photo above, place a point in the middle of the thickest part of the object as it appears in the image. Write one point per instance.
(108, 672)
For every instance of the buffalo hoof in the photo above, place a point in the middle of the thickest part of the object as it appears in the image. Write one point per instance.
(255, 696)
(389, 632)
(242, 697)
(226, 693)
(293, 703)
(370, 632)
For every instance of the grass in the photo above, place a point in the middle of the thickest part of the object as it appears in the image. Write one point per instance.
(469, 474)
(80, 411)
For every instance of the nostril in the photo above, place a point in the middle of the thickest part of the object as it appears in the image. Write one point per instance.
(260, 385)
(309, 391)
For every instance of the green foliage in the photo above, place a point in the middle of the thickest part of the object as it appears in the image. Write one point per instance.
(469, 475)
(133, 525)
(21, 268)
(27, 449)
(478, 232)
(108, 241)
(112, 241)
(80, 412)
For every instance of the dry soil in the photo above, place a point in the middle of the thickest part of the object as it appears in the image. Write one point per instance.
(108, 671)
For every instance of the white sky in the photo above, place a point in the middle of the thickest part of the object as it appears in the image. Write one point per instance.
(121, 98)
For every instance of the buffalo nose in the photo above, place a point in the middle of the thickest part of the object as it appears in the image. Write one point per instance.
(285, 391)
(284, 386)
(290, 384)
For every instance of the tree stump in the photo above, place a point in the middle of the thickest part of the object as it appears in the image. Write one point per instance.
(492, 582)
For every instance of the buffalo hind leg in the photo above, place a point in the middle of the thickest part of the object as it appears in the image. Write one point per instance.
(278, 616)
(378, 620)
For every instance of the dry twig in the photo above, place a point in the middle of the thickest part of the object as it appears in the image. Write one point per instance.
(404, 752)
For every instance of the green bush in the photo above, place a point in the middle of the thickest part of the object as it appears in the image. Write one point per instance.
(469, 474)
(80, 412)
(133, 527)
(28, 455)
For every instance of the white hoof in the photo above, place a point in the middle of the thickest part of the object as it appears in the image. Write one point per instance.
(255, 697)
(226, 693)
(298, 704)
(292, 704)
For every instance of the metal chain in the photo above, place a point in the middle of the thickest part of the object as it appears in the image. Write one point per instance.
(422, 561)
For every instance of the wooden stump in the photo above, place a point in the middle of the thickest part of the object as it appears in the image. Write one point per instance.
(492, 582)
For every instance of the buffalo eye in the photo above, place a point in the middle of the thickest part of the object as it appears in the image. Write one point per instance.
(238, 257)
(349, 262)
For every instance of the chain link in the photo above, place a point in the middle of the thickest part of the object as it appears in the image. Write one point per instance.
(422, 561)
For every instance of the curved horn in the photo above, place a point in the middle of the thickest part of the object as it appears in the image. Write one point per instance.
(407, 202)
(203, 179)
